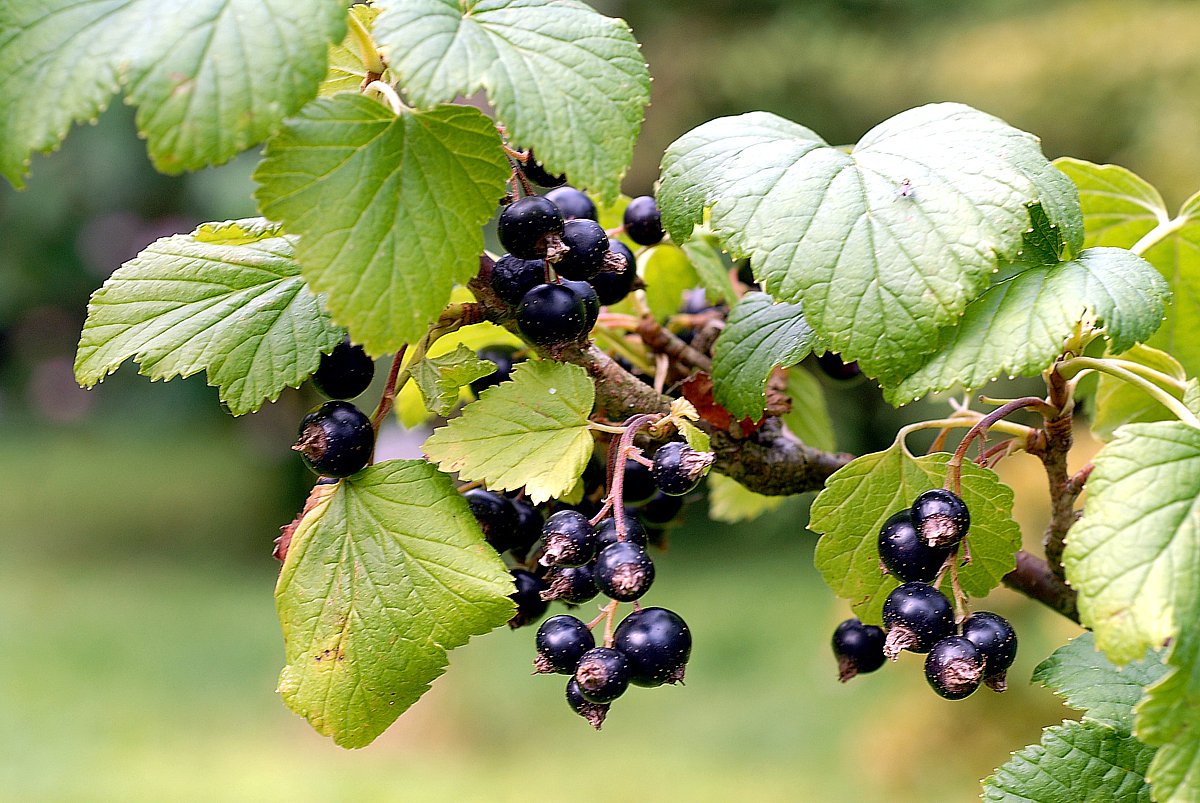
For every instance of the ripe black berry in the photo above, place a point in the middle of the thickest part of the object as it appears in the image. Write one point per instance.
(594, 713)
(525, 223)
(954, 667)
(606, 532)
(569, 539)
(572, 203)
(336, 439)
(529, 528)
(623, 571)
(561, 642)
(915, 616)
(858, 648)
(591, 302)
(834, 368)
(496, 516)
(535, 172)
(657, 644)
(997, 642)
(573, 585)
(660, 509)
(586, 245)
(552, 314)
(513, 277)
(639, 482)
(603, 674)
(344, 372)
(941, 518)
(678, 468)
(903, 552)
(643, 223)
(502, 356)
(528, 596)
(613, 285)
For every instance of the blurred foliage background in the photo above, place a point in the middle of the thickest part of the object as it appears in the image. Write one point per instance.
(136, 616)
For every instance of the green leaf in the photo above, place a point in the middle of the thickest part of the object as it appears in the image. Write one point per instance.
(384, 575)
(1168, 719)
(530, 432)
(859, 497)
(809, 418)
(1090, 682)
(1019, 325)
(1177, 257)
(1119, 207)
(566, 81)
(759, 336)
(1076, 761)
(668, 274)
(227, 299)
(389, 208)
(210, 77)
(347, 70)
(696, 438)
(1118, 403)
(712, 267)
(441, 378)
(884, 245)
(731, 502)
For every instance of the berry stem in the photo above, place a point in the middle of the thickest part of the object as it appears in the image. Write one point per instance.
(519, 175)
(389, 391)
(960, 599)
(661, 363)
(636, 456)
(954, 466)
(610, 612)
(616, 466)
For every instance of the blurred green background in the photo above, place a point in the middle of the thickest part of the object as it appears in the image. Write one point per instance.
(136, 619)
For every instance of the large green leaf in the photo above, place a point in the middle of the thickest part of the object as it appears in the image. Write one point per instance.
(383, 576)
(759, 336)
(884, 245)
(530, 432)
(565, 80)
(860, 496)
(1118, 403)
(1119, 207)
(210, 77)
(389, 208)
(1019, 325)
(226, 299)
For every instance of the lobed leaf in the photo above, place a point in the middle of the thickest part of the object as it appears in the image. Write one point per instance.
(441, 378)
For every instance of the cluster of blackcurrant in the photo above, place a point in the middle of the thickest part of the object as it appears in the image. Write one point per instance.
(916, 546)
(336, 439)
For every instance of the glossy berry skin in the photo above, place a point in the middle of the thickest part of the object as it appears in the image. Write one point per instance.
(552, 315)
(524, 223)
(496, 516)
(569, 539)
(612, 286)
(594, 713)
(643, 222)
(513, 277)
(602, 674)
(941, 517)
(916, 616)
(344, 372)
(678, 468)
(606, 531)
(535, 172)
(858, 648)
(623, 571)
(561, 642)
(529, 528)
(657, 643)
(834, 368)
(573, 204)
(954, 667)
(502, 356)
(638, 482)
(591, 302)
(573, 585)
(336, 439)
(996, 640)
(660, 509)
(586, 244)
(905, 555)
(528, 596)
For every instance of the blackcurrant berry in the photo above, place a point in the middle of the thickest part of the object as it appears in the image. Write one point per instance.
(502, 356)
(613, 285)
(903, 552)
(678, 468)
(496, 516)
(834, 368)
(638, 483)
(569, 539)
(513, 277)
(954, 667)
(915, 616)
(561, 642)
(344, 372)
(573, 204)
(941, 517)
(528, 596)
(591, 302)
(573, 585)
(997, 642)
(858, 648)
(603, 674)
(586, 245)
(660, 509)
(529, 528)
(336, 439)
(535, 172)
(524, 225)
(606, 531)
(657, 644)
(643, 223)
(594, 713)
(552, 315)
(623, 571)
